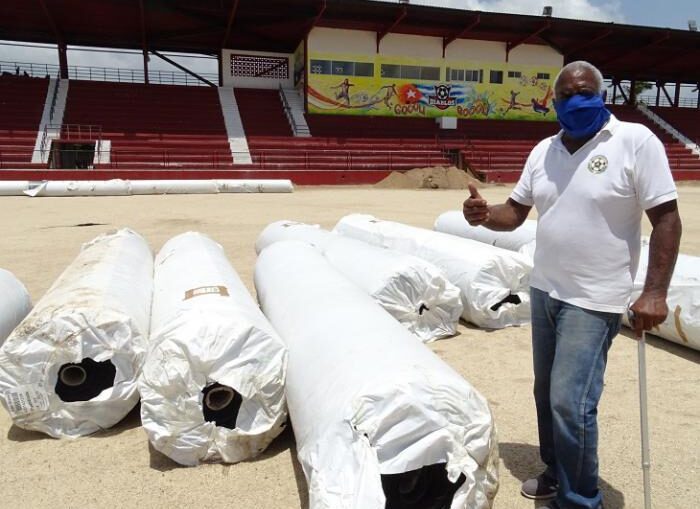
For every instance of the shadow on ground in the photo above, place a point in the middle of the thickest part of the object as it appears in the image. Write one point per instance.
(523, 461)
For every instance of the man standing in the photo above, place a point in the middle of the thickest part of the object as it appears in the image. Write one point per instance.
(589, 184)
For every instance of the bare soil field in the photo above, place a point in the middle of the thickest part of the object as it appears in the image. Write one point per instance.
(117, 468)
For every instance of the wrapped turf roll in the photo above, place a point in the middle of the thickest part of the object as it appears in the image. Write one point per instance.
(70, 367)
(453, 222)
(494, 282)
(16, 303)
(412, 290)
(380, 421)
(212, 387)
(682, 325)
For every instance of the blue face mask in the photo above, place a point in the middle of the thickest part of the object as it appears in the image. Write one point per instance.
(581, 116)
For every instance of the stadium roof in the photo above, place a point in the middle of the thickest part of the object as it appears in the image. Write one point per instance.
(206, 26)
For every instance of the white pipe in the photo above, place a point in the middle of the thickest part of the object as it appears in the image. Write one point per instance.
(494, 282)
(207, 333)
(119, 187)
(453, 222)
(367, 400)
(95, 316)
(412, 290)
(16, 303)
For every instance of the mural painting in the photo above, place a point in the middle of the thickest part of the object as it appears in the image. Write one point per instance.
(335, 88)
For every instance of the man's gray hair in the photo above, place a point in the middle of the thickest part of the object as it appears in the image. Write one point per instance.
(581, 65)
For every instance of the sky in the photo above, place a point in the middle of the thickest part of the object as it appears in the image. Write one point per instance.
(668, 13)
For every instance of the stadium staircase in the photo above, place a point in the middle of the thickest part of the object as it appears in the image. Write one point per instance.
(21, 106)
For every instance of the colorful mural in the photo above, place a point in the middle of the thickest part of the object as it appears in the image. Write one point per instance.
(524, 94)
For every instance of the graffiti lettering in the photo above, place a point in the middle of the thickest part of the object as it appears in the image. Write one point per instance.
(478, 108)
(409, 109)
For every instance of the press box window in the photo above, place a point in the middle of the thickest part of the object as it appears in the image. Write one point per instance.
(320, 67)
(542, 75)
(430, 73)
(496, 77)
(391, 71)
(474, 75)
(514, 74)
(364, 69)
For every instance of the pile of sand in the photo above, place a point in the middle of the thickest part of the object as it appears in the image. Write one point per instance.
(435, 177)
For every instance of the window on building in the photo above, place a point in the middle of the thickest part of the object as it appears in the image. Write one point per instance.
(496, 77)
(364, 69)
(430, 73)
(391, 71)
(320, 67)
(410, 72)
(542, 75)
(455, 74)
(341, 68)
(473, 75)
(514, 74)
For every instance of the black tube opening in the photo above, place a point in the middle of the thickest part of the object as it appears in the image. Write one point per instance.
(425, 488)
(510, 299)
(221, 405)
(84, 380)
(422, 309)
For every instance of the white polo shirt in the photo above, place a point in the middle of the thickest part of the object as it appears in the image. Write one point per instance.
(590, 207)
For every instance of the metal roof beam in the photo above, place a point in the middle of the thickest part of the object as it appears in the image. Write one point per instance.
(144, 45)
(314, 21)
(446, 41)
(635, 51)
(229, 24)
(571, 51)
(401, 15)
(512, 45)
(183, 68)
(52, 23)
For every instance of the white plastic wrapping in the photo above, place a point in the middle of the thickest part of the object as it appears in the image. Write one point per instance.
(682, 325)
(208, 332)
(412, 290)
(92, 327)
(494, 282)
(15, 303)
(367, 401)
(119, 187)
(453, 222)
(13, 187)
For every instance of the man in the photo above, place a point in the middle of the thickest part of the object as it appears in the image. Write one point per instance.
(590, 184)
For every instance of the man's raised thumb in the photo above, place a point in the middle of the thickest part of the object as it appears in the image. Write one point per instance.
(473, 193)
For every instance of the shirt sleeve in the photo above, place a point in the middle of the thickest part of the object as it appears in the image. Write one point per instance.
(652, 176)
(522, 192)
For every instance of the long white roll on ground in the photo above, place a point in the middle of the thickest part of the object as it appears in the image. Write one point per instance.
(682, 325)
(453, 222)
(380, 421)
(212, 387)
(412, 290)
(70, 367)
(16, 303)
(119, 187)
(13, 187)
(494, 282)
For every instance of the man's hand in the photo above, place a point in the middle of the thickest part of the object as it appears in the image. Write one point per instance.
(649, 310)
(475, 208)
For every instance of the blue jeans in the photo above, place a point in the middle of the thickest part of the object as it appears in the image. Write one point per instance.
(570, 350)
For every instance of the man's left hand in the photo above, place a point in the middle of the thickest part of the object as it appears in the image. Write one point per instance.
(649, 310)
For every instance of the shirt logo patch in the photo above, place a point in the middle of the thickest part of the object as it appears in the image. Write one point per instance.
(598, 164)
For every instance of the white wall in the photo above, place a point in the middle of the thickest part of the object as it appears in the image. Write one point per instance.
(535, 54)
(356, 42)
(333, 40)
(261, 82)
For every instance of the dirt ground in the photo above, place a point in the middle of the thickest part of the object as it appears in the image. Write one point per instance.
(117, 468)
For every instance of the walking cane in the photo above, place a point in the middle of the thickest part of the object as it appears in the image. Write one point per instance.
(643, 416)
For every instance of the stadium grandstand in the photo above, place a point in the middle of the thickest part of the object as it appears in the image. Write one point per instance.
(321, 91)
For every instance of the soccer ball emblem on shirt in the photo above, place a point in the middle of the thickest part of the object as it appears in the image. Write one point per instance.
(598, 164)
